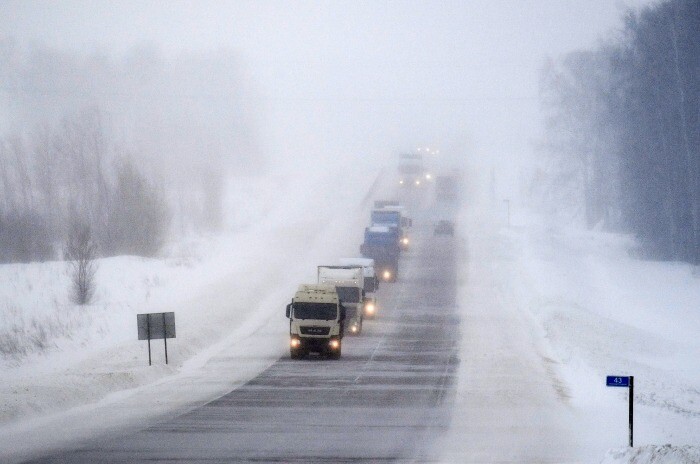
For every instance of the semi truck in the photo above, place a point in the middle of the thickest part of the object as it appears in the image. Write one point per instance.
(393, 216)
(349, 284)
(381, 245)
(411, 170)
(370, 303)
(316, 321)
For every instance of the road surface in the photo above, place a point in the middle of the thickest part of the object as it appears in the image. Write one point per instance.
(388, 398)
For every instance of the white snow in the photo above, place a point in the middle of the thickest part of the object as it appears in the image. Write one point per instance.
(68, 368)
(547, 314)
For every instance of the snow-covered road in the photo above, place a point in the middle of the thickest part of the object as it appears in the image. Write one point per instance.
(543, 315)
(511, 405)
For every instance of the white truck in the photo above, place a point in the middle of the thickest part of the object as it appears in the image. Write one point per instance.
(349, 283)
(370, 303)
(316, 321)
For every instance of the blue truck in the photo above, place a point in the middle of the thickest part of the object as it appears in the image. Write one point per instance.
(382, 245)
(392, 216)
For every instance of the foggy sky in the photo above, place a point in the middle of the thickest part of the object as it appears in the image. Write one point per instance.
(347, 77)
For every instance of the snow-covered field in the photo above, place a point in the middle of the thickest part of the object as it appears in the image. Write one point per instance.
(548, 313)
(65, 367)
(571, 308)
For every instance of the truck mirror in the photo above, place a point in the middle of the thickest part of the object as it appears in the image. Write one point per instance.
(289, 310)
(342, 312)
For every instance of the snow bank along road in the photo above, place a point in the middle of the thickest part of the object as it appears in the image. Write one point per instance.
(386, 399)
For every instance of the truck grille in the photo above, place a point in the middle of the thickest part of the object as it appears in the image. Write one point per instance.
(315, 330)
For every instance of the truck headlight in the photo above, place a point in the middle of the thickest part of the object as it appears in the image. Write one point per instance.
(404, 240)
(369, 307)
(334, 344)
(295, 342)
(386, 275)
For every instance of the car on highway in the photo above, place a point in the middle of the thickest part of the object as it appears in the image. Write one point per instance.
(444, 227)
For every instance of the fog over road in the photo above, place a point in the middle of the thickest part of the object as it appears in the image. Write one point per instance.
(386, 399)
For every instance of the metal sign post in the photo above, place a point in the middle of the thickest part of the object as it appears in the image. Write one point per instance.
(154, 326)
(628, 382)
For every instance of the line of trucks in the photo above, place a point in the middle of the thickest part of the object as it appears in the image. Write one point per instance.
(345, 294)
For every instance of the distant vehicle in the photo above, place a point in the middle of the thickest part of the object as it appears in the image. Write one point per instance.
(444, 227)
(411, 170)
(316, 319)
(393, 215)
(381, 244)
(349, 283)
(370, 303)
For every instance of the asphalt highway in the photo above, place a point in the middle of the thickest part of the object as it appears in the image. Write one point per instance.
(387, 399)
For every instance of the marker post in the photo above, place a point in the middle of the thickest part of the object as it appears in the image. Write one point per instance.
(628, 382)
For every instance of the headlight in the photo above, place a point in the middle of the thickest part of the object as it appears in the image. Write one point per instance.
(404, 240)
(386, 275)
(417, 182)
(428, 176)
(401, 182)
(353, 329)
(369, 308)
(334, 344)
(295, 342)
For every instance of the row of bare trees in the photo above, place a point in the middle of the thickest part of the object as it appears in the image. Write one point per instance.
(56, 177)
(623, 130)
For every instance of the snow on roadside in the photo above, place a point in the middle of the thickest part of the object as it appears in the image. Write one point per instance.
(603, 312)
(665, 454)
(63, 356)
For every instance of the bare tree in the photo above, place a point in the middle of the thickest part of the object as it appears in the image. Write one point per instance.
(81, 252)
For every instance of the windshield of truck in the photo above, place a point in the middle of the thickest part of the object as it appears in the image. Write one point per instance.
(348, 294)
(323, 311)
(386, 217)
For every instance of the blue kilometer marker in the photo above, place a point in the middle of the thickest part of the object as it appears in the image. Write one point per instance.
(617, 381)
(627, 382)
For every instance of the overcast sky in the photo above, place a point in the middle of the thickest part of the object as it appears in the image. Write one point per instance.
(348, 76)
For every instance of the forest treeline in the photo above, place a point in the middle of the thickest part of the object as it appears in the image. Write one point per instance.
(136, 146)
(622, 139)
(55, 178)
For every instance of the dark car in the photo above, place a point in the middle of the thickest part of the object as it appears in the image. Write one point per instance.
(444, 228)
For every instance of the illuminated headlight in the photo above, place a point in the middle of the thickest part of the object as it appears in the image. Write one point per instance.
(386, 275)
(417, 181)
(295, 342)
(353, 329)
(401, 182)
(334, 344)
(369, 307)
(404, 240)
(428, 176)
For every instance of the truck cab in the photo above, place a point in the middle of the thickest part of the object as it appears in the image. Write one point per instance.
(370, 302)
(349, 284)
(411, 170)
(381, 245)
(316, 319)
(392, 215)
